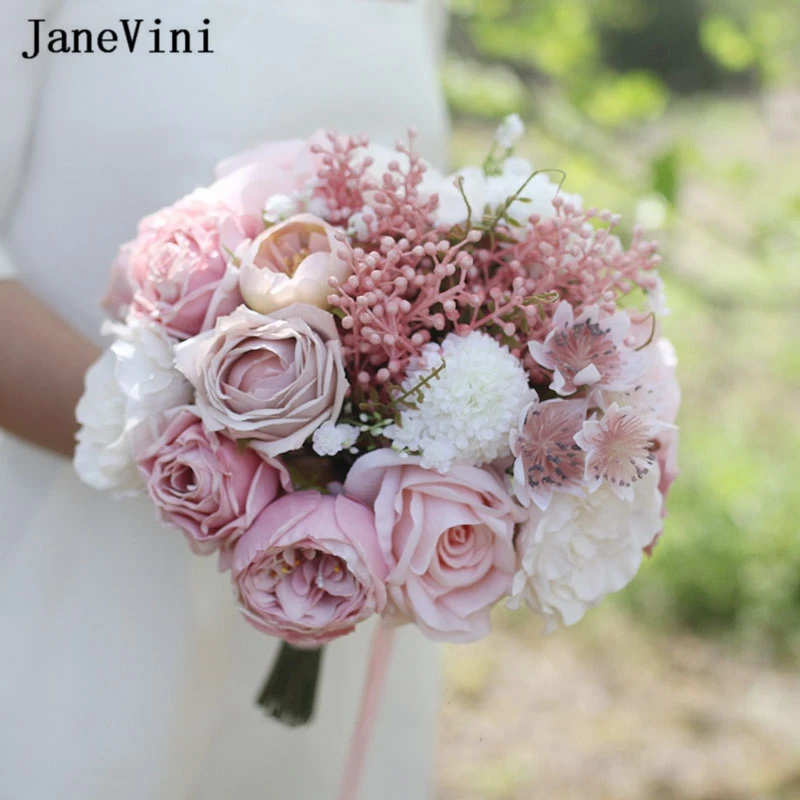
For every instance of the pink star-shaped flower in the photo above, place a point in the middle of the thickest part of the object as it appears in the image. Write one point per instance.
(547, 458)
(619, 448)
(588, 351)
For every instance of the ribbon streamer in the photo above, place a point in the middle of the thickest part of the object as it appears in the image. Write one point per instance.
(380, 652)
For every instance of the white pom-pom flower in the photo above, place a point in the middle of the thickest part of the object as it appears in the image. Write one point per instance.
(583, 548)
(330, 438)
(467, 408)
(132, 381)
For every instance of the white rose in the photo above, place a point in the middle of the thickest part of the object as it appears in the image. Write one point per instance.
(102, 457)
(133, 381)
(145, 370)
(583, 548)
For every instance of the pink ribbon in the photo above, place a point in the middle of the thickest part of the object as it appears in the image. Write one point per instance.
(380, 652)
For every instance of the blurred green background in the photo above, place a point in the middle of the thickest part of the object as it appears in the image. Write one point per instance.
(684, 116)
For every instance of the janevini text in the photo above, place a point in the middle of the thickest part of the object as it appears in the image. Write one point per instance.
(131, 35)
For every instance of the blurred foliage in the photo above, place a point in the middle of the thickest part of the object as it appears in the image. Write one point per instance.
(617, 61)
(684, 116)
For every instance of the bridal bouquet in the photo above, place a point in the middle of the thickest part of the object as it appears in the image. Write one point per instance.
(373, 389)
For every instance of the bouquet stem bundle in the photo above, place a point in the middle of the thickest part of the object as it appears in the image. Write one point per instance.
(290, 691)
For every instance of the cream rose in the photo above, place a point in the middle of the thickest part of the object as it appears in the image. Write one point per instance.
(291, 263)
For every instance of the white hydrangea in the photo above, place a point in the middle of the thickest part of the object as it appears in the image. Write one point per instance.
(583, 548)
(330, 438)
(102, 456)
(494, 190)
(510, 131)
(131, 382)
(468, 410)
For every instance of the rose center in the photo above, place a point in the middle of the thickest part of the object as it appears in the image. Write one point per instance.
(456, 542)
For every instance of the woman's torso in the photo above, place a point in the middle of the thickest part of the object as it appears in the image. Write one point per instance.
(117, 644)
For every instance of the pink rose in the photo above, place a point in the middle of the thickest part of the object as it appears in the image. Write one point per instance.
(448, 540)
(292, 262)
(310, 568)
(270, 379)
(177, 268)
(204, 484)
(245, 182)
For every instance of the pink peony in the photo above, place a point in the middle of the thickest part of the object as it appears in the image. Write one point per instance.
(177, 269)
(245, 182)
(448, 540)
(292, 262)
(270, 379)
(309, 568)
(204, 484)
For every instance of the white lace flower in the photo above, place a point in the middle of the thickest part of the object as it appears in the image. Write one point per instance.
(280, 207)
(330, 438)
(361, 224)
(493, 191)
(102, 457)
(510, 131)
(583, 548)
(145, 370)
(468, 410)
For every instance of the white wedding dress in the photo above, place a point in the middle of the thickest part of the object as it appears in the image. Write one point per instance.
(125, 671)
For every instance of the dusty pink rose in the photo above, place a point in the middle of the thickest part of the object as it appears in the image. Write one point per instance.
(270, 379)
(177, 269)
(448, 540)
(310, 568)
(292, 262)
(245, 182)
(204, 484)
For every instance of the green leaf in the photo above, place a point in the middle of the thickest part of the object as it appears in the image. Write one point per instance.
(665, 175)
(726, 43)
